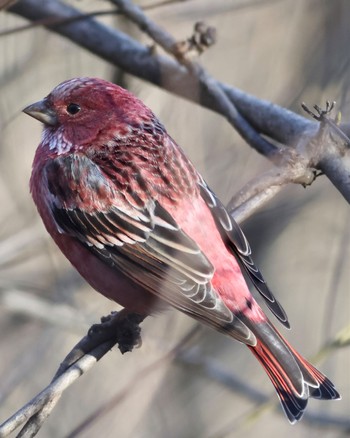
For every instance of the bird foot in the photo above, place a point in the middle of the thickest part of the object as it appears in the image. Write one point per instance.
(121, 325)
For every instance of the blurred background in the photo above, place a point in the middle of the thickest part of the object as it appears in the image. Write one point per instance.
(285, 51)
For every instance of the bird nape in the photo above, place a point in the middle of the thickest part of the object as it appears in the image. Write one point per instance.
(135, 218)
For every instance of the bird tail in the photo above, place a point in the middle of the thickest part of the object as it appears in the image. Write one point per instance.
(293, 377)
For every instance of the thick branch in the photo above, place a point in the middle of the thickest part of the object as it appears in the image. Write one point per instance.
(263, 188)
(138, 60)
(278, 123)
(205, 83)
(121, 50)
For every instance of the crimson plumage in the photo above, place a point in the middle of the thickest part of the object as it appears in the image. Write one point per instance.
(131, 213)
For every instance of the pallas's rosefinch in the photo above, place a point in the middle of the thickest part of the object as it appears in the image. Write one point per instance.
(132, 214)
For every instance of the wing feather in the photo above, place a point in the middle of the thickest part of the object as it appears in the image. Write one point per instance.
(238, 243)
(145, 243)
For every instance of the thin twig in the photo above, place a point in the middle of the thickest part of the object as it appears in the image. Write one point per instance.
(133, 383)
(340, 266)
(53, 392)
(265, 403)
(51, 22)
(82, 357)
(32, 305)
(224, 105)
(14, 245)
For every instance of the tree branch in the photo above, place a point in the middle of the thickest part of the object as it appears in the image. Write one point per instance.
(203, 80)
(251, 114)
(121, 328)
(128, 54)
(264, 187)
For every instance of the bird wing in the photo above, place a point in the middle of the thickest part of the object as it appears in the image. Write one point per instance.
(237, 242)
(144, 242)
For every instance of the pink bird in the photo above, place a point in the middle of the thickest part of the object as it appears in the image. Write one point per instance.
(135, 218)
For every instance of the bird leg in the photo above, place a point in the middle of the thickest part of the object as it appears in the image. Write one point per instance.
(123, 325)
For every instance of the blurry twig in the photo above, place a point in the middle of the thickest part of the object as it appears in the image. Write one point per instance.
(133, 383)
(266, 403)
(340, 265)
(51, 22)
(55, 21)
(340, 340)
(214, 371)
(13, 246)
(122, 329)
(25, 362)
(33, 306)
(161, 3)
(6, 3)
(83, 356)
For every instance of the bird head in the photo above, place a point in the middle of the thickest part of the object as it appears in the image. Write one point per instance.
(85, 111)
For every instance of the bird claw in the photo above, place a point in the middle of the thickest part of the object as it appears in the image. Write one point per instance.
(130, 335)
(101, 327)
(125, 328)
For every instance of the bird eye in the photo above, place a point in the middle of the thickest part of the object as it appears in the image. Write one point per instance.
(73, 108)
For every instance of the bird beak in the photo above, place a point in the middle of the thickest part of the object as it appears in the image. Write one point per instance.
(42, 112)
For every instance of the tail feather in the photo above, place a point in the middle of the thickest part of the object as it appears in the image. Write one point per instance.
(293, 402)
(293, 377)
(324, 388)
